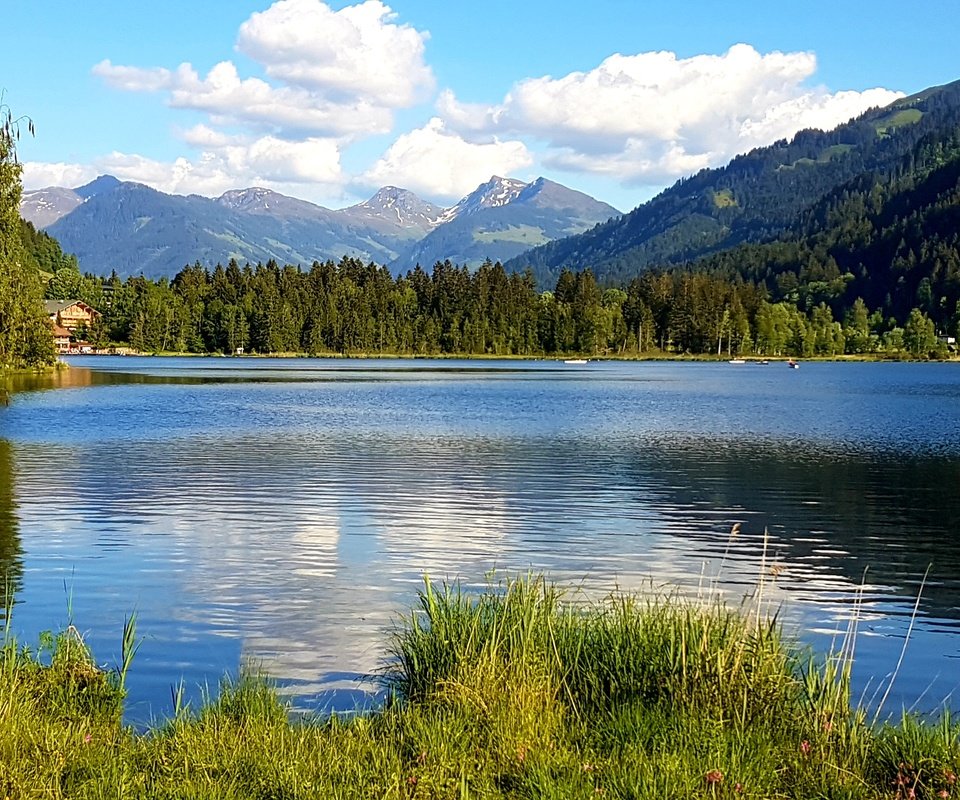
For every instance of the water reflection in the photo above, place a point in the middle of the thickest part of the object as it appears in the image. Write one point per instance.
(13, 383)
(11, 565)
(286, 522)
(832, 510)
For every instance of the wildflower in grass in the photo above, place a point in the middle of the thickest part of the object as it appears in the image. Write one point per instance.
(412, 780)
(714, 777)
(87, 738)
(738, 788)
(805, 747)
(950, 777)
(943, 793)
(588, 768)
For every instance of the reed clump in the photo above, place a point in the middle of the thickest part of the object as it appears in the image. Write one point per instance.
(515, 692)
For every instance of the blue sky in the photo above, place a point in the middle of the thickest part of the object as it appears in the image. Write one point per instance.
(328, 101)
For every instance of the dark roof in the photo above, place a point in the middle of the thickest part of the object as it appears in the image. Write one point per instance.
(56, 306)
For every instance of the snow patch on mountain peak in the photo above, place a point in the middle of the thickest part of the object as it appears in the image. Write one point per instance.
(400, 206)
(245, 199)
(494, 193)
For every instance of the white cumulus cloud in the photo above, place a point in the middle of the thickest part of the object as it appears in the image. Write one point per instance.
(441, 164)
(232, 100)
(655, 116)
(133, 79)
(335, 73)
(203, 136)
(324, 79)
(355, 52)
(279, 161)
(309, 168)
(40, 175)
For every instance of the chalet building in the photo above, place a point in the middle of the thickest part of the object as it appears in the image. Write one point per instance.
(61, 339)
(71, 314)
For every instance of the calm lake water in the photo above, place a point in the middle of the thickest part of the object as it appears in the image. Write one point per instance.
(283, 513)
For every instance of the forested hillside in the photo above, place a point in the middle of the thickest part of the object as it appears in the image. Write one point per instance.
(891, 240)
(873, 267)
(42, 253)
(352, 307)
(756, 197)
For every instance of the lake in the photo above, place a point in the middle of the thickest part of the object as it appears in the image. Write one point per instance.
(281, 514)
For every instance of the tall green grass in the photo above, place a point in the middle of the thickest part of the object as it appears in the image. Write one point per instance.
(598, 657)
(516, 692)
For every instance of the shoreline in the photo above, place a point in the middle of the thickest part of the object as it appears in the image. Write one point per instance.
(513, 693)
(748, 360)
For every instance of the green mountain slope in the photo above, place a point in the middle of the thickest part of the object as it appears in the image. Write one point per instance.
(756, 197)
(42, 252)
(892, 240)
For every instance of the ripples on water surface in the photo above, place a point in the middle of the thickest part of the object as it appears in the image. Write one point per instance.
(283, 512)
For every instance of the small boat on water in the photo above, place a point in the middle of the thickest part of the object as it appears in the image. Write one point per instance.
(793, 364)
(737, 361)
(575, 361)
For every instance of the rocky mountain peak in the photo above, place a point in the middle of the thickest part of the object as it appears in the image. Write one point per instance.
(133, 228)
(494, 193)
(103, 183)
(255, 197)
(400, 206)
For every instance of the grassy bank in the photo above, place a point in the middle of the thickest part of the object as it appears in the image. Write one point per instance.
(512, 693)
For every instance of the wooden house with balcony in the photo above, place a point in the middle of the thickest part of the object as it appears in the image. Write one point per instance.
(71, 314)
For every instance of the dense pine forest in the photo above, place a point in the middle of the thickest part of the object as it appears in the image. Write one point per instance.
(874, 267)
(353, 307)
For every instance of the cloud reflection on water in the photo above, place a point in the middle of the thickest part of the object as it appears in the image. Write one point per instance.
(288, 524)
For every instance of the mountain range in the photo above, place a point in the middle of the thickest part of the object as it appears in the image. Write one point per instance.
(763, 196)
(131, 228)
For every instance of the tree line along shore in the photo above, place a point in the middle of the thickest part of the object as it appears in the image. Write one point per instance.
(352, 307)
